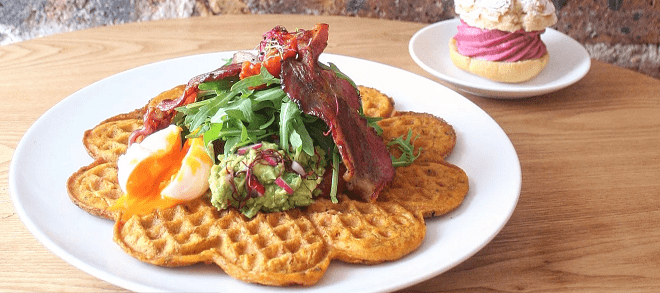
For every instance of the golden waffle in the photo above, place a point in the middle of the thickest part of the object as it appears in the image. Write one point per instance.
(109, 139)
(436, 137)
(375, 103)
(361, 232)
(94, 188)
(272, 249)
(431, 188)
(283, 248)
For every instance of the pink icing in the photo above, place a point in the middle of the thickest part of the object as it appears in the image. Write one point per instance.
(496, 45)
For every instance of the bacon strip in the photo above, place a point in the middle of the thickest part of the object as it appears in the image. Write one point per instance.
(321, 93)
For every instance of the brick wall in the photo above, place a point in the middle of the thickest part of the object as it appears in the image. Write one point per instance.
(621, 32)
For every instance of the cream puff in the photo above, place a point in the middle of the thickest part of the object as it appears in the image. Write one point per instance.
(501, 39)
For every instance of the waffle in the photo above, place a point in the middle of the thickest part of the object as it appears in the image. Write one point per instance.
(94, 188)
(283, 248)
(109, 139)
(431, 188)
(375, 103)
(361, 232)
(272, 249)
(436, 137)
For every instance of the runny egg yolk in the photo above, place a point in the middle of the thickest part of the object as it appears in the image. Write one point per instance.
(165, 177)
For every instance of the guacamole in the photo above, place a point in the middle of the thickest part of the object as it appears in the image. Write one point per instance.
(263, 178)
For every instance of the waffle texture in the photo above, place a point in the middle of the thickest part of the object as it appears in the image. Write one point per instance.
(94, 188)
(375, 103)
(272, 249)
(431, 188)
(361, 232)
(109, 139)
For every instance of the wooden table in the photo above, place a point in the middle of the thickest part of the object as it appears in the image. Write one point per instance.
(588, 215)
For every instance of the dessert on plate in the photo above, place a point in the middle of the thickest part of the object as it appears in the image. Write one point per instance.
(501, 39)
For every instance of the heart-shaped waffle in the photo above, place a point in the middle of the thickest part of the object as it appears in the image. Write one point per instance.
(109, 139)
(94, 188)
(272, 249)
(281, 248)
(361, 232)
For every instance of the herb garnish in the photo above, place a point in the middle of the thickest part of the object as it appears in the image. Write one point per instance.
(407, 150)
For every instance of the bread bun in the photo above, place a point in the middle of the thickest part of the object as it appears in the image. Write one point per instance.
(510, 72)
(507, 15)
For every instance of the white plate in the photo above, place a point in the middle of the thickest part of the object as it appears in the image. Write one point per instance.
(569, 62)
(51, 151)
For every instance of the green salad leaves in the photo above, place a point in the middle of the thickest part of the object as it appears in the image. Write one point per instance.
(244, 112)
(235, 112)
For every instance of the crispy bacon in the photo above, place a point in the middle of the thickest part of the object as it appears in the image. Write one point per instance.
(321, 93)
(159, 117)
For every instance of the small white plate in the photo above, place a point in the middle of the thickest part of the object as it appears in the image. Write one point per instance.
(569, 62)
(52, 150)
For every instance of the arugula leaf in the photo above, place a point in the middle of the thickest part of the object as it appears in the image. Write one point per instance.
(407, 150)
(216, 85)
(272, 94)
(241, 110)
(317, 130)
(288, 111)
(335, 175)
(373, 123)
(266, 124)
(306, 142)
(338, 73)
(249, 83)
(231, 143)
(295, 140)
(212, 133)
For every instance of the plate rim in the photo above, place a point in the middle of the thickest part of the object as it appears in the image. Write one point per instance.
(129, 284)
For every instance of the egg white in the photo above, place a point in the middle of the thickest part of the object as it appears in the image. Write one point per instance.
(191, 180)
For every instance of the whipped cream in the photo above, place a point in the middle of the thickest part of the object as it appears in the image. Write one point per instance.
(499, 7)
(492, 10)
(496, 45)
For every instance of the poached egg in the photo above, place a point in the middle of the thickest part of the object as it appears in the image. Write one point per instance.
(161, 171)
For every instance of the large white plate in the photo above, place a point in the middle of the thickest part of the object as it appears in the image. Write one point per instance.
(51, 150)
(569, 62)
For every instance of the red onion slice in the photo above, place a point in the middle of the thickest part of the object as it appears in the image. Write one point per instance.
(281, 183)
(245, 149)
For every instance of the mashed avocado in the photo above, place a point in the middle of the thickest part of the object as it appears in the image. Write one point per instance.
(264, 178)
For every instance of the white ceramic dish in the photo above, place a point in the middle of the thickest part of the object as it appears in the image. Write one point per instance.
(51, 151)
(569, 62)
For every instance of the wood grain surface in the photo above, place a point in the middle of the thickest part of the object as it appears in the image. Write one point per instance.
(588, 218)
